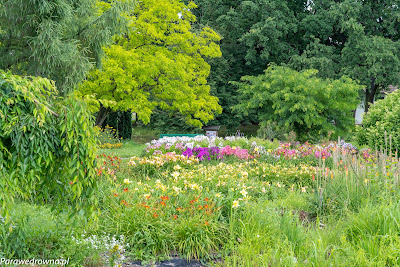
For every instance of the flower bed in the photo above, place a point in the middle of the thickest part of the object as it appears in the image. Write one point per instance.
(205, 148)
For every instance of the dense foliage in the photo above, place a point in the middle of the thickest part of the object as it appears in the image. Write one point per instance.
(354, 38)
(121, 122)
(47, 144)
(300, 101)
(60, 40)
(381, 125)
(158, 62)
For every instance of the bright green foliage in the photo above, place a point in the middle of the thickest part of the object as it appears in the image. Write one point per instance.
(47, 145)
(381, 122)
(300, 101)
(158, 62)
(60, 40)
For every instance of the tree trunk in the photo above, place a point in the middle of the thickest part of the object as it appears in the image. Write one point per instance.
(102, 115)
(370, 95)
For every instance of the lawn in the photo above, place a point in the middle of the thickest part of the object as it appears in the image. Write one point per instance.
(128, 149)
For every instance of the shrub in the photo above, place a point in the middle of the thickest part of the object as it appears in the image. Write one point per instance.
(299, 101)
(47, 144)
(381, 122)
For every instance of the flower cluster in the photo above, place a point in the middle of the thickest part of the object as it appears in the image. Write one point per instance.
(110, 146)
(162, 159)
(208, 153)
(107, 165)
(111, 246)
(181, 144)
(107, 137)
(297, 150)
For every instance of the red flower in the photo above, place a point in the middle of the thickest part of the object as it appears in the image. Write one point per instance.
(175, 216)
(206, 199)
(71, 183)
(115, 195)
(164, 197)
(206, 223)
(155, 215)
(126, 189)
(163, 203)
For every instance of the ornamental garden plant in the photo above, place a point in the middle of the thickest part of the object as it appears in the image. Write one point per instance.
(277, 203)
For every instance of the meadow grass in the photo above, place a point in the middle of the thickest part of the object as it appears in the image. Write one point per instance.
(129, 149)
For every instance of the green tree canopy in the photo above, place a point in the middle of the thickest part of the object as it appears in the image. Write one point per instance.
(158, 62)
(60, 40)
(355, 38)
(254, 34)
(300, 101)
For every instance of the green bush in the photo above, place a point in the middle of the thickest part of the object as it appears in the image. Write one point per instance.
(381, 125)
(299, 101)
(47, 144)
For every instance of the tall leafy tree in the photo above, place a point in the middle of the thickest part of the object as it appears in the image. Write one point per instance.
(356, 38)
(300, 101)
(159, 62)
(254, 33)
(61, 39)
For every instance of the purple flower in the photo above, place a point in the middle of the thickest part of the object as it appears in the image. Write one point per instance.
(188, 152)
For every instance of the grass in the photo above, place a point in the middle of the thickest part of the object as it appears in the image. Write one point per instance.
(128, 149)
(143, 135)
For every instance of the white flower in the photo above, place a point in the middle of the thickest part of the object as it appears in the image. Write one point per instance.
(243, 192)
(127, 181)
(235, 204)
(177, 167)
